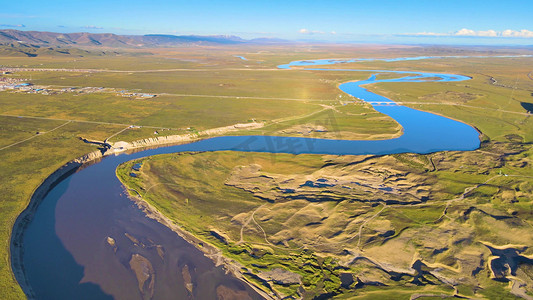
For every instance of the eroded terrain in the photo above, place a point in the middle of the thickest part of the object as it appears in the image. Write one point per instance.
(309, 225)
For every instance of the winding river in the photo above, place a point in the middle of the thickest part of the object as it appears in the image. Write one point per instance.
(80, 241)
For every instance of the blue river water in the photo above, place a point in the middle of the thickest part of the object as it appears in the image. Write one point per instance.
(322, 62)
(66, 253)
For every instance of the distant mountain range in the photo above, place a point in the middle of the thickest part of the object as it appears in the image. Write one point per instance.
(85, 39)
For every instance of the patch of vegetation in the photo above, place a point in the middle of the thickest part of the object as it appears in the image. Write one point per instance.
(328, 229)
(318, 239)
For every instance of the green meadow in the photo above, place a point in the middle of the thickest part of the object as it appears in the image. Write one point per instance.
(199, 89)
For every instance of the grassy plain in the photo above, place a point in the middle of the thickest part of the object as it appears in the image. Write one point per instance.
(261, 211)
(224, 90)
(258, 209)
(27, 158)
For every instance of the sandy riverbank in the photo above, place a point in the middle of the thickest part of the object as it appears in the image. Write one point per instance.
(232, 267)
(184, 138)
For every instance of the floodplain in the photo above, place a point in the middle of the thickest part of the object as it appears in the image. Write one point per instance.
(415, 224)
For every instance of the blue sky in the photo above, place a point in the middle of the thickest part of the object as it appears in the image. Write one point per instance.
(433, 21)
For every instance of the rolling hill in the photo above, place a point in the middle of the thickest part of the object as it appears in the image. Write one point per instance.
(84, 39)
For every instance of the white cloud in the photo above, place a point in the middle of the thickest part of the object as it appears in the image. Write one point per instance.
(13, 25)
(92, 27)
(311, 32)
(307, 31)
(428, 34)
(489, 32)
(524, 33)
(465, 32)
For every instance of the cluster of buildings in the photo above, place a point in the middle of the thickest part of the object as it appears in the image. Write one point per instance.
(19, 85)
(25, 87)
(86, 90)
(22, 85)
(14, 84)
(10, 82)
(135, 95)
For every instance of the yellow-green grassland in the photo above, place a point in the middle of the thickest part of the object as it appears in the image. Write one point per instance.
(359, 227)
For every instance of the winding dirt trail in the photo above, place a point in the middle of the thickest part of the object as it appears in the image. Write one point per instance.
(268, 243)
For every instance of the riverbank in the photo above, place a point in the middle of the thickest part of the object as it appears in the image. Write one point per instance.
(289, 207)
(118, 147)
(191, 137)
(183, 138)
(232, 267)
(22, 221)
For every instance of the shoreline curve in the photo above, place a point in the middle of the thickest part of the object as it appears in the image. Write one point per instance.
(25, 217)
